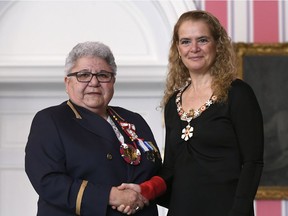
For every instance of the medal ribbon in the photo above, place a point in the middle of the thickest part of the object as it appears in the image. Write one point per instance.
(131, 155)
(131, 132)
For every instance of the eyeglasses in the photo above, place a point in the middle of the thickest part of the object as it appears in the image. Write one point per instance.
(85, 76)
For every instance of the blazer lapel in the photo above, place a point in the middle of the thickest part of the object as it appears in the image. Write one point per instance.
(93, 122)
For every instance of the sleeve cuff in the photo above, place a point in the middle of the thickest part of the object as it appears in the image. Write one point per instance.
(80, 196)
(153, 188)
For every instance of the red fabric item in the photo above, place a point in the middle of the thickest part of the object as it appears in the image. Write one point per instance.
(153, 188)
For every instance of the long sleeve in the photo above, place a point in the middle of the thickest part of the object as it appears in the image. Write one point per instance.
(167, 171)
(46, 167)
(73, 162)
(248, 125)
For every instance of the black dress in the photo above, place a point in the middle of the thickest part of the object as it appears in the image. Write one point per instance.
(217, 171)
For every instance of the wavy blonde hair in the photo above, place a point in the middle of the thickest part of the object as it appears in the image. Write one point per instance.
(223, 70)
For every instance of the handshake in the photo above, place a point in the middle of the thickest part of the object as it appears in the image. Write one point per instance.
(127, 198)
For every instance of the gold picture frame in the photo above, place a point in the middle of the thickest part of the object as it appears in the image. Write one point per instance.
(257, 49)
(254, 50)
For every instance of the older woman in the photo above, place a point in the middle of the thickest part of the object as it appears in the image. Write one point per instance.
(214, 129)
(78, 152)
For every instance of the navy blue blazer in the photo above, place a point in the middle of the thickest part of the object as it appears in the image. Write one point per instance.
(72, 160)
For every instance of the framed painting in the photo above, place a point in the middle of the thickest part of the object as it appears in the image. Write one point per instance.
(265, 68)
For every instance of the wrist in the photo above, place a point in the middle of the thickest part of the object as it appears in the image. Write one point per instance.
(113, 196)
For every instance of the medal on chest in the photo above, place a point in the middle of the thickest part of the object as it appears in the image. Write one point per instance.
(130, 154)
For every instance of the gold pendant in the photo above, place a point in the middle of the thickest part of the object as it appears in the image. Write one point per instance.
(130, 154)
(187, 132)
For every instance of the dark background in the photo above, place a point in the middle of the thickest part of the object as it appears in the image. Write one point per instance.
(268, 76)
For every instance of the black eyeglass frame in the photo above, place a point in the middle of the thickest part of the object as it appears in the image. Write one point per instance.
(92, 74)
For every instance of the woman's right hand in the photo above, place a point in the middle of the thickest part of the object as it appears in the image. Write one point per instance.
(127, 200)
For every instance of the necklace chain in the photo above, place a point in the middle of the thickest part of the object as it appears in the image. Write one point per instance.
(188, 131)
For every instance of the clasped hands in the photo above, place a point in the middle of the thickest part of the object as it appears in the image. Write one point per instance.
(127, 198)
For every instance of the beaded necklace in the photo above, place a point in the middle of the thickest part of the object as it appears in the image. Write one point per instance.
(187, 132)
